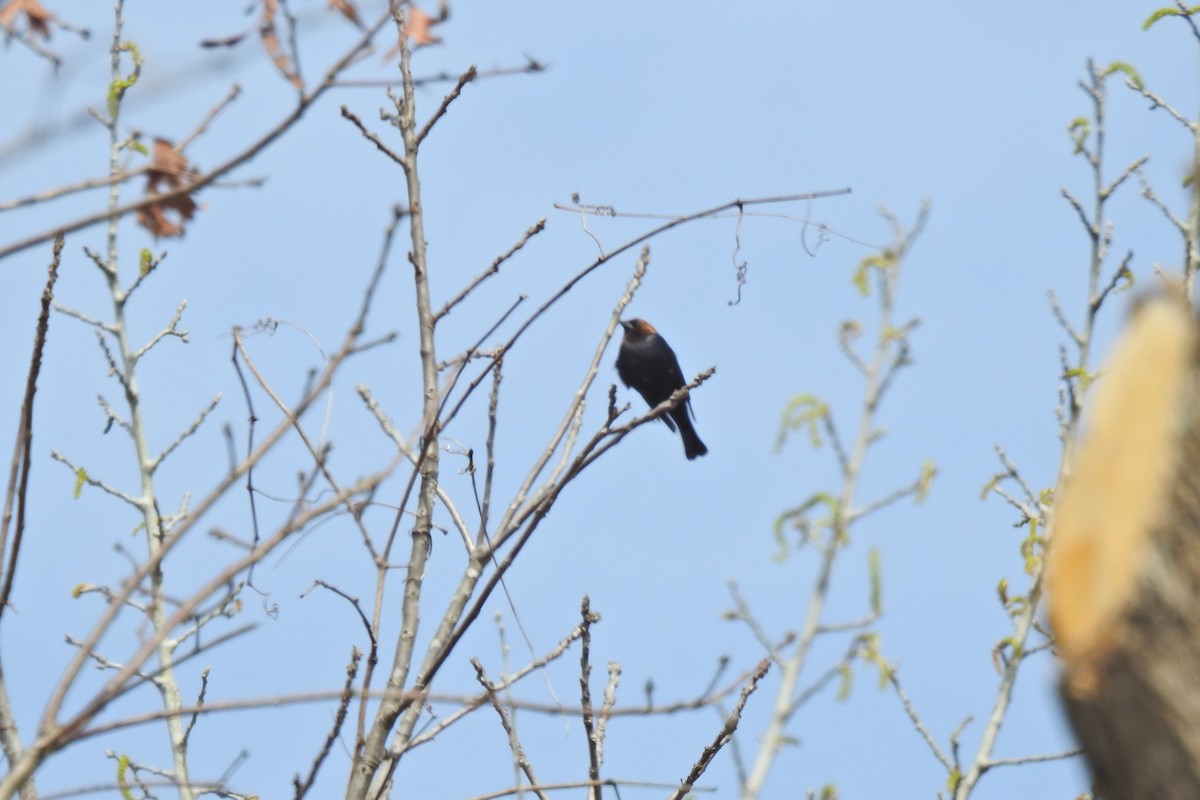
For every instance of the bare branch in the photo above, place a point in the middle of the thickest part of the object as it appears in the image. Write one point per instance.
(463, 80)
(1158, 102)
(1149, 193)
(585, 690)
(80, 186)
(339, 719)
(915, 718)
(82, 317)
(1093, 231)
(212, 114)
(371, 136)
(170, 330)
(1035, 759)
(16, 490)
(513, 743)
(534, 230)
(1061, 317)
(612, 782)
(1120, 273)
(478, 700)
(405, 450)
(305, 101)
(895, 495)
(191, 429)
(83, 475)
(530, 66)
(726, 733)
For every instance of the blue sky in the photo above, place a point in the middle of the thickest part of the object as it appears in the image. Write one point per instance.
(665, 108)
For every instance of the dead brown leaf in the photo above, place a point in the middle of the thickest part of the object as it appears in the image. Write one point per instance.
(418, 24)
(270, 40)
(347, 9)
(36, 17)
(169, 170)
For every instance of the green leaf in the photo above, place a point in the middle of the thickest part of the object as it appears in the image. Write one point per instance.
(1125, 276)
(952, 780)
(1032, 549)
(1078, 130)
(883, 260)
(145, 261)
(780, 555)
(928, 471)
(122, 780)
(829, 792)
(1126, 69)
(876, 585)
(870, 653)
(846, 684)
(1157, 15)
(799, 514)
(1007, 643)
(802, 411)
(1085, 378)
(81, 477)
(116, 89)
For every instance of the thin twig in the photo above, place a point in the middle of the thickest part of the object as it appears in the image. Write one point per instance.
(191, 429)
(371, 136)
(724, 735)
(915, 718)
(615, 783)
(1035, 759)
(18, 476)
(463, 80)
(1158, 102)
(339, 719)
(212, 114)
(534, 230)
(514, 744)
(585, 702)
(305, 101)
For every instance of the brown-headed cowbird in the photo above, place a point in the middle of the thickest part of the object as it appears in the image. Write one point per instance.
(648, 364)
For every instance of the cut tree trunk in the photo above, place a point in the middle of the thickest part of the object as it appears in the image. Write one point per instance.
(1123, 565)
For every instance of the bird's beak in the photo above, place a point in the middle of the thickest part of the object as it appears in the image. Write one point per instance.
(626, 324)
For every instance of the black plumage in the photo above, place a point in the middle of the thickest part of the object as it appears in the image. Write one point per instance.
(647, 364)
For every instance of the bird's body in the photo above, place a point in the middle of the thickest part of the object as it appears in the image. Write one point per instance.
(647, 364)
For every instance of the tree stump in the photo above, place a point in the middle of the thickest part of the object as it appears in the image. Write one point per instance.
(1123, 567)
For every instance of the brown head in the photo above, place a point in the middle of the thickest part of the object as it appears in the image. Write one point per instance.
(637, 328)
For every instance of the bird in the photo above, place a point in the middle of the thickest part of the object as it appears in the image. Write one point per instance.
(647, 364)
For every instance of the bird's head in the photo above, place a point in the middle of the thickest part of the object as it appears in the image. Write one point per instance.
(637, 328)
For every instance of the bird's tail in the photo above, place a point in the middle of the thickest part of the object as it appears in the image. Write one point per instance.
(692, 446)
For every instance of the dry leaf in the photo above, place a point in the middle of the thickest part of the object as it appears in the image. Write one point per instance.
(418, 25)
(36, 17)
(169, 170)
(226, 41)
(418, 28)
(347, 9)
(270, 40)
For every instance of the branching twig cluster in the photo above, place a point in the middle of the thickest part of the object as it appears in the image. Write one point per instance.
(1033, 507)
(889, 354)
(388, 696)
